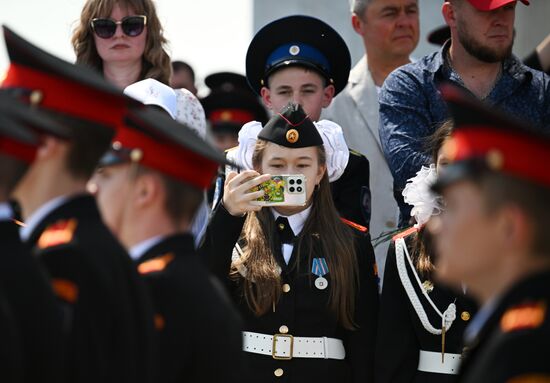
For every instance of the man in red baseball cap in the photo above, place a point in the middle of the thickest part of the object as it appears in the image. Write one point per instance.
(478, 58)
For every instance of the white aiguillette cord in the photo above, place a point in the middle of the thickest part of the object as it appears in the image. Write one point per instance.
(447, 317)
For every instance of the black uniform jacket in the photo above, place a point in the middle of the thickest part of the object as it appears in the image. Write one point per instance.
(512, 345)
(28, 292)
(401, 334)
(303, 309)
(198, 329)
(351, 192)
(107, 312)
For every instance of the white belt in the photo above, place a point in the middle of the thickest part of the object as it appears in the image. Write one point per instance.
(286, 347)
(430, 361)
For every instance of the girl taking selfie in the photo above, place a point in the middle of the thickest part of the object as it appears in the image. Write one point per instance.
(304, 281)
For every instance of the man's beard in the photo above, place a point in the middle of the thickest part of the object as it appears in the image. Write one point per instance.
(479, 51)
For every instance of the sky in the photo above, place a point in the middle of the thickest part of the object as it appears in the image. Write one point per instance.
(200, 32)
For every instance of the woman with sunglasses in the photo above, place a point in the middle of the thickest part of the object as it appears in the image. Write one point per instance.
(123, 39)
(303, 279)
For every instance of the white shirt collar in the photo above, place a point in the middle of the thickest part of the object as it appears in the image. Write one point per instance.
(137, 251)
(6, 212)
(39, 214)
(296, 221)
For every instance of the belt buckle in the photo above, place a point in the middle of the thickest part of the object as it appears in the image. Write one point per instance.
(274, 345)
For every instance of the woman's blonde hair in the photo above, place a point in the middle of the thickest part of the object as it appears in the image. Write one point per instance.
(155, 63)
(323, 234)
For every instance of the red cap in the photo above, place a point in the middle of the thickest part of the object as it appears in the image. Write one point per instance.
(489, 139)
(21, 127)
(40, 78)
(17, 149)
(152, 139)
(238, 116)
(489, 5)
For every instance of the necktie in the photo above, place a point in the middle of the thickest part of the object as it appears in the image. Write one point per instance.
(285, 231)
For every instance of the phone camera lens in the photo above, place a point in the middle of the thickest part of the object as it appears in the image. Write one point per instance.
(299, 189)
(291, 190)
(299, 182)
(291, 182)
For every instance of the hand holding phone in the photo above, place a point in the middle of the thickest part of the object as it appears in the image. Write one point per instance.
(282, 190)
(237, 197)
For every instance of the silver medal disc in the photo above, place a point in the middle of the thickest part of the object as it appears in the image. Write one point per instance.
(321, 283)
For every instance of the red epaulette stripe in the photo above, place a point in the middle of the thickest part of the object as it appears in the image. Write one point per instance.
(156, 264)
(405, 233)
(362, 229)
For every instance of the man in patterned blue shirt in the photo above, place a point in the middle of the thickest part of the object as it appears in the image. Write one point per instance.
(478, 57)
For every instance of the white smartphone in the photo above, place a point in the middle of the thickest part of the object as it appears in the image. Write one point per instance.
(282, 190)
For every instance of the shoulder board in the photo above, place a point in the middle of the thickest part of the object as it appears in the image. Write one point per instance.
(405, 233)
(156, 264)
(18, 223)
(356, 226)
(58, 233)
(524, 316)
(530, 378)
(65, 289)
(355, 153)
(231, 149)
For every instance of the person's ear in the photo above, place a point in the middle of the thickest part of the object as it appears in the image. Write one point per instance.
(328, 95)
(49, 146)
(515, 229)
(265, 93)
(448, 11)
(146, 189)
(357, 24)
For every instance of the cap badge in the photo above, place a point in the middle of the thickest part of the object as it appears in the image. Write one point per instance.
(226, 115)
(294, 50)
(495, 159)
(136, 155)
(36, 97)
(292, 136)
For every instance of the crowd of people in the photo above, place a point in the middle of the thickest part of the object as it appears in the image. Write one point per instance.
(308, 221)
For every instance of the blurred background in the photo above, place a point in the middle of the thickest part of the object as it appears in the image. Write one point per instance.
(213, 35)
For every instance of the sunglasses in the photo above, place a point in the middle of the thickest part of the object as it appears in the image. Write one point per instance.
(131, 26)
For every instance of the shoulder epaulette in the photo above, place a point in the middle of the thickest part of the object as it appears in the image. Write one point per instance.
(356, 226)
(156, 264)
(231, 149)
(58, 233)
(355, 153)
(405, 233)
(65, 289)
(524, 316)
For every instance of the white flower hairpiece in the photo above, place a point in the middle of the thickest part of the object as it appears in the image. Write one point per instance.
(418, 193)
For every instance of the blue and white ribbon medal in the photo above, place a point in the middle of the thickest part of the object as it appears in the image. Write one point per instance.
(319, 267)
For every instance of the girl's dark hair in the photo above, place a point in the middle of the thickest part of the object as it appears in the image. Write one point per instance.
(435, 141)
(323, 233)
(422, 252)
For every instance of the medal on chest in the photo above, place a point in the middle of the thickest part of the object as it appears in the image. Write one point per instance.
(319, 267)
